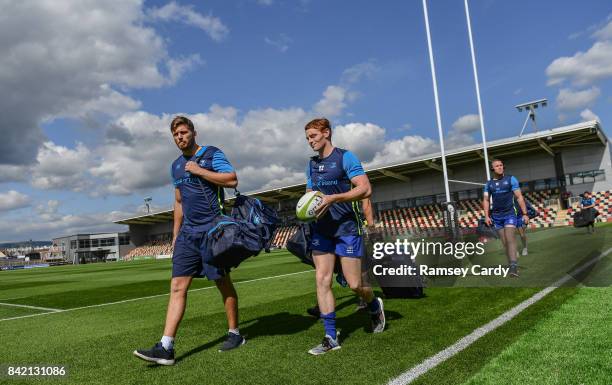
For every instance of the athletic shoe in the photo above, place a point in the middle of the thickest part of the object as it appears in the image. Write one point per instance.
(524, 253)
(326, 345)
(362, 305)
(514, 271)
(379, 320)
(157, 354)
(233, 341)
(314, 311)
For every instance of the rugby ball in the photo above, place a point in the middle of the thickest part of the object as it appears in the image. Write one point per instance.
(307, 206)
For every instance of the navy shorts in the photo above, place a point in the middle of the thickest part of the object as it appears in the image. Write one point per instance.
(344, 245)
(519, 221)
(188, 257)
(501, 221)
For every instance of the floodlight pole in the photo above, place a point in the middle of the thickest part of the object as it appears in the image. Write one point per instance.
(480, 115)
(530, 115)
(437, 102)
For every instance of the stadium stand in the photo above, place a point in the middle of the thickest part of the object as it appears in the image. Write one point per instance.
(282, 234)
(150, 249)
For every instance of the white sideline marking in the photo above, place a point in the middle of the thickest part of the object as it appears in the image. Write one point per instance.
(435, 360)
(54, 311)
(31, 307)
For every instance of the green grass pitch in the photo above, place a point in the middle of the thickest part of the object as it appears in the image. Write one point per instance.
(562, 339)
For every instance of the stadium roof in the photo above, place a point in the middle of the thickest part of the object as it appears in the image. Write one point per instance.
(546, 141)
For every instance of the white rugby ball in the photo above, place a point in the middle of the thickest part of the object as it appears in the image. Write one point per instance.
(307, 205)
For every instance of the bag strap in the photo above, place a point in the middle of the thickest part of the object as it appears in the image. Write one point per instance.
(197, 161)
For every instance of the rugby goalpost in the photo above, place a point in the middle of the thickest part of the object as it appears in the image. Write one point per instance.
(450, 212)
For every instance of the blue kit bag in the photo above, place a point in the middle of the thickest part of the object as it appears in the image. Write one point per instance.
(244, 234)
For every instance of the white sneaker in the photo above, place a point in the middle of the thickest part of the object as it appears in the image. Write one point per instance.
(524, 252)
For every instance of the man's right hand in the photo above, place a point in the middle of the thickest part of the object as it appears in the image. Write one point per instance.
(488, 220)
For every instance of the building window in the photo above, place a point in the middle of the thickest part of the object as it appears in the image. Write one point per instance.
(107, 242)
(585, 177)
(73, 245)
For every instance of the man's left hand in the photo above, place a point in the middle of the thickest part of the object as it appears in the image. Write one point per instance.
(328, 200)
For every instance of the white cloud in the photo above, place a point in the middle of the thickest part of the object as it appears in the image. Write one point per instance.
(334, 101)
(605, 33)
(11, 173)
(273, 175)
(359, 71)
(585, 68)
(265, 2)
(587, 114)
(281, 43)
(107, 101)
(48, 211)
(13, 200)
(467, 124)
(43, 65)
(61, 168)
(174, 12)
(46, 227)
(402, 150)
(569, 100)
(140, 162)
(177, 67)
(364, 139)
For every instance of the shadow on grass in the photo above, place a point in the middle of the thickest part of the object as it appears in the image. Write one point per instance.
(286, 323)
(361, 320)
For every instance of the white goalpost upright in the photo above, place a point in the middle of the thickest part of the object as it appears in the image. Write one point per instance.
(437, 102)
(476, 83)
(450, 210)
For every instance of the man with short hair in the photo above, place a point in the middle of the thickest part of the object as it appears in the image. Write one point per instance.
(199, 174)
(501, 190)
(337, 232)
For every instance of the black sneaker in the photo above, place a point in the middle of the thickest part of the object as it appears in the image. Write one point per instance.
(157, 354)
(314, 311)
(378, 319)
(514, 271)
(233, 341)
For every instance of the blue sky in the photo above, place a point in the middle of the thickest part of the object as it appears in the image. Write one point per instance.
(86, 135)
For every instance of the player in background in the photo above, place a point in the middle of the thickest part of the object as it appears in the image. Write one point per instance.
(501, 212)
(588, 203)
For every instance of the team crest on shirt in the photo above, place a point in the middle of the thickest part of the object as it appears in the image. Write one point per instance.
(333, 165)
